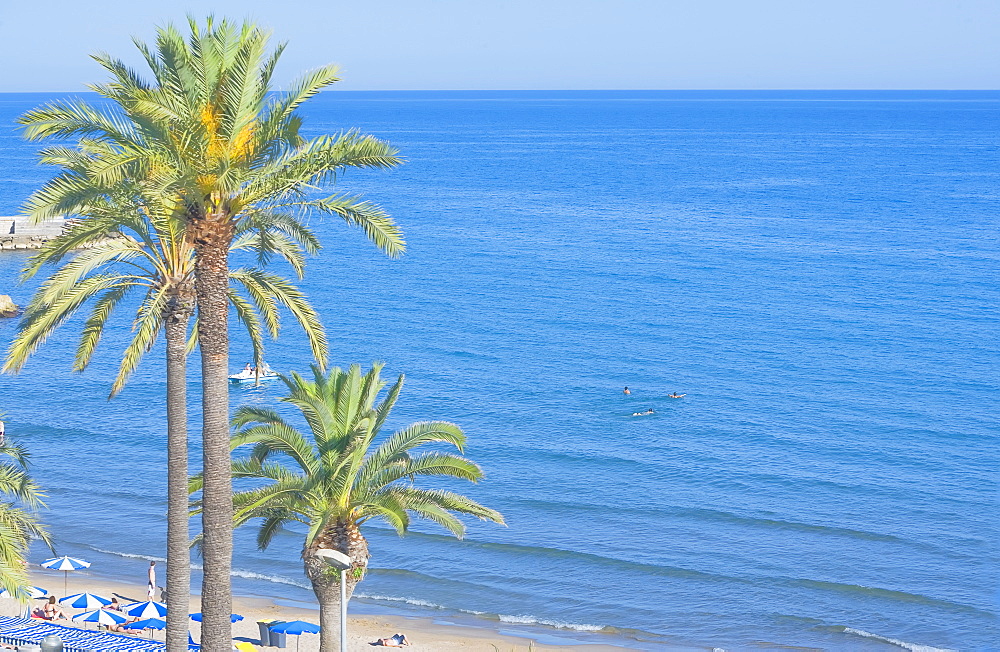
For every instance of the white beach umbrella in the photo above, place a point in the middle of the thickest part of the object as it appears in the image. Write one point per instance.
(65, 564)
(30, 591)
(85, 601)
(101, 617)
(146, 609)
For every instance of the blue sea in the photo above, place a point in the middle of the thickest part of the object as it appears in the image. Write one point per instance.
(815, 271)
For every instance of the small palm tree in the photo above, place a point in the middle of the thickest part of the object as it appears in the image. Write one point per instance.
(338, 477)
(20, 498)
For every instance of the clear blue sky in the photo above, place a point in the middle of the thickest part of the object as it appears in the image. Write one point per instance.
(547, 44)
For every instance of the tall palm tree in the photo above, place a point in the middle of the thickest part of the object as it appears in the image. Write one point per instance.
(20, 499)
(144, 252)
(208, 130)
(338, 477)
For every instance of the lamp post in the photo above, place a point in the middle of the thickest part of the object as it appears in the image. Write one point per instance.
(340, 561)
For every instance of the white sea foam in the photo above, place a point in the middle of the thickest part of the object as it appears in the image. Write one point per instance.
(530, 620)
(236, 572)
(127, 555)
(277, 579)
(389, 598)
(513, 620)
(913, 647)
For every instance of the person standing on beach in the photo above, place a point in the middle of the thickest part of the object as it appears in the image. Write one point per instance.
(151, 587)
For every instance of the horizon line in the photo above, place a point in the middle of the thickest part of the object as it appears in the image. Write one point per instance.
(612, 90)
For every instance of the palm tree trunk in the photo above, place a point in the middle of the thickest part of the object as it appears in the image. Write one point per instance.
(212, 236)
(347, 538)
(178, 550)
(329, 617)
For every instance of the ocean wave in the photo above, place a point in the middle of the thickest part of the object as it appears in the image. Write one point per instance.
(235, 572)
(913, 647)
(276, 579)
(553, 552)
(503, 618)
(411, 601)
(530, 620)
(127, 555)
(696, 513)
(888, 594)
(425, 604)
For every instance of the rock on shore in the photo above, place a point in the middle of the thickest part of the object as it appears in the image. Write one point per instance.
(7, 307)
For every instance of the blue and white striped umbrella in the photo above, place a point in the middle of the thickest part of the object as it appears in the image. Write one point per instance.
(86, 601)
(30, 591)
(101, 616)
(146, 609)
(65, 563)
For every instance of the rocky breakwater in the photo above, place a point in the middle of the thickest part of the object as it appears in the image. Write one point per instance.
(9, 242)
(7, 307)
(19, 233)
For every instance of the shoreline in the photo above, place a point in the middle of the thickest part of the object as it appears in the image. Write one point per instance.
(426, 633)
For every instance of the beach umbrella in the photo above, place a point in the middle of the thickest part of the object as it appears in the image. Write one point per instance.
(65, 564)
(101, 617)
(146, 609)
(30, 591)
(85, 601)
(296, 627)
(234, 618)
(149, 623)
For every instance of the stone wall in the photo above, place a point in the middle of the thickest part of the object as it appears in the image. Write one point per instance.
(19, 233)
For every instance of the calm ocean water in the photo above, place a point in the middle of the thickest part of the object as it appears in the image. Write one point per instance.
(817, 272)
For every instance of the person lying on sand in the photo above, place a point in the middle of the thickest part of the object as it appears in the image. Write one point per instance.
(121, 628)
(397, 640)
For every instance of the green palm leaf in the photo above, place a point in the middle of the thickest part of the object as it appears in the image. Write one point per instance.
(341, 472)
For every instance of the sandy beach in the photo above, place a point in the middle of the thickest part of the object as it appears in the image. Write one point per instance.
(425, 634)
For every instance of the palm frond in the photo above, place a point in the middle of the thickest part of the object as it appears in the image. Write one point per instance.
(40, 321)
(349, 479)
(146, 327)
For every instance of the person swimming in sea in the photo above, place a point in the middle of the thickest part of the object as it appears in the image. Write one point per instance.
(642, 414)
(676, 395)
(625, 391)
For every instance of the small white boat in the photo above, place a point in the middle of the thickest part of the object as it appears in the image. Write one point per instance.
(252, 376)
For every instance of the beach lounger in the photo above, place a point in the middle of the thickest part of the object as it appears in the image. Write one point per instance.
(25, 631)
